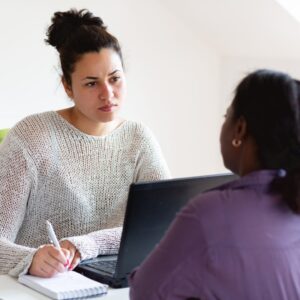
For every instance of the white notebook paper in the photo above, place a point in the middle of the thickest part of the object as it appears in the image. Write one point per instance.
(64, 285)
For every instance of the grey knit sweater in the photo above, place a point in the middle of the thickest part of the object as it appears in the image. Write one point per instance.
(49, 170)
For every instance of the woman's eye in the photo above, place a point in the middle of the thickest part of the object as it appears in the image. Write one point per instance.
(90, 84)
(115, 78)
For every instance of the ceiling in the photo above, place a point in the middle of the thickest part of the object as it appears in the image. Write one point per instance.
(253, 28)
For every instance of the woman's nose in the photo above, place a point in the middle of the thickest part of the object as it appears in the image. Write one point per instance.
(106, 92)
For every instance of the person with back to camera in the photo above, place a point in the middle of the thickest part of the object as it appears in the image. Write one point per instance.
(73, 166)
(240, 240)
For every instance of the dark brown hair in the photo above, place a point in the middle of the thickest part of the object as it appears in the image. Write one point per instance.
(270, 103)
(74, 33)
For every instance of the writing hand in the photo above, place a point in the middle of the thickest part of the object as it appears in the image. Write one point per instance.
(74, 253)
(48, 261)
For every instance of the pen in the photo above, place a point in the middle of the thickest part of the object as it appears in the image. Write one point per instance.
(52, 234)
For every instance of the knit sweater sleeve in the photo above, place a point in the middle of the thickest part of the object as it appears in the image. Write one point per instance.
(105, 241)
(16, 173)
(151, 164)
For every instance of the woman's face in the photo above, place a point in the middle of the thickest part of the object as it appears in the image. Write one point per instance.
(227, 135)
(98, 85)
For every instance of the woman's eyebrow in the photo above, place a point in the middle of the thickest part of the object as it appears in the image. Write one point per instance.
(113, 72)
(95, 77)
(89, 78)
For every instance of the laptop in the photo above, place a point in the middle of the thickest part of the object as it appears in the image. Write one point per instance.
(151, 207)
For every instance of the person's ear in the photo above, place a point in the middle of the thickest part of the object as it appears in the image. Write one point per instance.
(240, 131)
(67, 87)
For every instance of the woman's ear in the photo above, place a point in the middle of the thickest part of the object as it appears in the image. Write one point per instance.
(240, 131)
(67, 87)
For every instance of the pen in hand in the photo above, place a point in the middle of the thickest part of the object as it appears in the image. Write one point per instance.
(52, 235)
(53, 238)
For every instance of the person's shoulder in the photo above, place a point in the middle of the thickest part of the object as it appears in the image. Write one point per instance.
(215, 199)
(32, 127)
(135, 125)
(33, 120)
(139, 130)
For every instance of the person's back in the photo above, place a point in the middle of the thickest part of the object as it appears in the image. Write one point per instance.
(242, 243)
(251, 242)
(240, 240)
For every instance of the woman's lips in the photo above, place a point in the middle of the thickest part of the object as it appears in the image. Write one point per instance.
(107, 108)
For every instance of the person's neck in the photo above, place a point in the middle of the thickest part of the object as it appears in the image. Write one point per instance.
(245, 171)
(88, 126)
(249, 164)
(248, 160)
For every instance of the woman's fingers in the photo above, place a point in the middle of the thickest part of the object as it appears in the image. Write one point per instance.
(75, 261)
(68, 249)
(56, 260)
(74, 257)
(48, 261)
(60, 255)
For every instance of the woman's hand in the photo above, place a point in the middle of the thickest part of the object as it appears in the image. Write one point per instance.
(48, 261)
(74, 256)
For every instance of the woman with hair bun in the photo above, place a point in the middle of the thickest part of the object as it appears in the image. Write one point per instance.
(73, 167)
(240, 240)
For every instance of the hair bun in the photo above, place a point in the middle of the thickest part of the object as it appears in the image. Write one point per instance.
(65, 23)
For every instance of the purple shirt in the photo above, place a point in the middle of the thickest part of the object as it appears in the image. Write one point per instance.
(235, 242)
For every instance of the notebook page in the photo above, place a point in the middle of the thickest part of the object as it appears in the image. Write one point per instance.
(64, 285)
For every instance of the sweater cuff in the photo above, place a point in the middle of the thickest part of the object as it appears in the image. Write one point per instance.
(23, 266)
(102, 242)
(85, 245)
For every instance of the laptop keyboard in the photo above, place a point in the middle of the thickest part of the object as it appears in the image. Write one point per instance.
(108, 266)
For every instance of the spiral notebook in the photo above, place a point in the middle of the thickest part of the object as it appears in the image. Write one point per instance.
(64, 285)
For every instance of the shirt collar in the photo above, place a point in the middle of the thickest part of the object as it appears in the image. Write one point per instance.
(261, 177)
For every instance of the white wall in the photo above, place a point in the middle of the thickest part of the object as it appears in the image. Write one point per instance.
(234, 68)
(173, 77)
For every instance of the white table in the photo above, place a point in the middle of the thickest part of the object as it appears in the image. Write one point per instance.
(10, 289)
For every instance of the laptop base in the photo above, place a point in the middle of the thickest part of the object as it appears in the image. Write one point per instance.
(106, 279)
(87, 269)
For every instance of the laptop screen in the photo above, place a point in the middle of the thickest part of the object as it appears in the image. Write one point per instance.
(150, 210)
